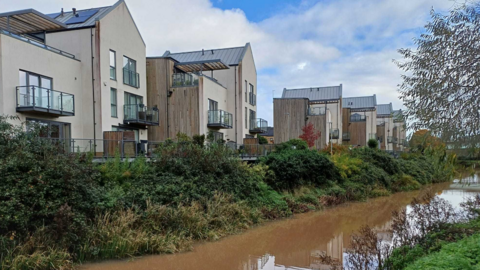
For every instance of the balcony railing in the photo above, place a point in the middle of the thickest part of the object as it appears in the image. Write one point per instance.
(358, 118)
(220, 119)
(395, 140)
(44, 100)
(334, 134)
(346, 136)
(37, 43)
(131, 78)
(184, 80)
(140, 115)
(389, 139)
(252, 99)
(316, 111)
(372, 136)
(258, 125)
(380, 139)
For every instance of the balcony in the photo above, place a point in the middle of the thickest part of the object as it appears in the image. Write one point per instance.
(372, 136)
(138, 114)
(395, 140)
(131, 78)
(380, 139)
(184, 80)
(220, 119)
(334, 134)
(44, 101)
(258, 125)
(389, 139)
(358, 118)
(252, 99)
(346, 136)
(316, 111)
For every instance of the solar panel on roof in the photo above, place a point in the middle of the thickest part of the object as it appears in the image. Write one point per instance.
(81, 16)
(54, 15)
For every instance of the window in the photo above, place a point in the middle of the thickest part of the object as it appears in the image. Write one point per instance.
(113, 101)
(50, 129)
(246, 117)
(252, 95)
(212, 105)
(132, 99)
(130, 75)
(113, 65)
(252, 120)
(132, 105)
(34, 90)
(246, 89)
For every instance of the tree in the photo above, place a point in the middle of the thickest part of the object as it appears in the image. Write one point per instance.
(441, 87)
(423, 139)
(310, 135)
(372, 143)
(262, 140)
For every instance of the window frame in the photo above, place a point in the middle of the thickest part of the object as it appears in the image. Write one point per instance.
(135, 72)
(214, 103)
(246, 91)
(246, 118)
(114, 67)
(112, 104)
(252, 92)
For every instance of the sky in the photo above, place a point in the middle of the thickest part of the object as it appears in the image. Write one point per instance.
(296, 43)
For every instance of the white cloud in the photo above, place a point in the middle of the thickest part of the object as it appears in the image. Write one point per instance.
(322, 43)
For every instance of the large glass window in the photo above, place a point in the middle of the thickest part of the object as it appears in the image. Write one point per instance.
(212, 105)
(246, 90)
(113, 65)
(50, 129)
(130, 76)
(252, 95)
(34, 90)
(132, 99)
(113, 101)
(246, 117)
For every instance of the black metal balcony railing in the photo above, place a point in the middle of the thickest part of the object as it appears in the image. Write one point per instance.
(358, 118)
(316, 111)
(252, 99)
(220, 119)
(258, 125)
(140, 114)
(44, 100)
(131, 78)
(346, 136)
(334, 134)
(184, 80)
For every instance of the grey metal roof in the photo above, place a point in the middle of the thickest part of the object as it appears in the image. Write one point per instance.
(398, 116)
(269, 132)
(28, 21)
(384, 109)
(101, 11)
(314, 93)
(229, 56)
(360, 102)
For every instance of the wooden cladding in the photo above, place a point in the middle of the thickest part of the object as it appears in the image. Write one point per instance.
(357, 130)
(178, 107)
(381, 134)
(290, 116)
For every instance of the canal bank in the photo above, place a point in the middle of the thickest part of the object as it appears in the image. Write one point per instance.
(295, 243)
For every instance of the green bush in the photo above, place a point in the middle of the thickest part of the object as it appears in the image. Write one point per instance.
(372, 143)
(262, 140)
(378, 158)
(294, 168)
(296, 144)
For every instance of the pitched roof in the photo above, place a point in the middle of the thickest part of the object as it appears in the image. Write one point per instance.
(229, 56)
(269, 132)
(97, 13)
(314, 93)
(384, 109)
(398, 115)
(360, 102)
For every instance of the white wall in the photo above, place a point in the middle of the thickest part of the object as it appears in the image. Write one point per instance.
(249, 73)
(16, 55)
(214, 91)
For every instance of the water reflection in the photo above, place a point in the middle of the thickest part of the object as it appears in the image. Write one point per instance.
(302, 242)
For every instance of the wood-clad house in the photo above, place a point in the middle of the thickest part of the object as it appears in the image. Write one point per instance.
(359, 120)
(385, 126)
(320, 106)
(399, 135)
(205, 92)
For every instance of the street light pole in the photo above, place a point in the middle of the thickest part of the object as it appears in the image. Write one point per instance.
(330, 138)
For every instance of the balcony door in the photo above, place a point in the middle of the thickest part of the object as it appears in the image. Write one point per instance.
(34, 90)
(50, 129)
(133, 105)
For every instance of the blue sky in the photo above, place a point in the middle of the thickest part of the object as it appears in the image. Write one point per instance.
(296, 43)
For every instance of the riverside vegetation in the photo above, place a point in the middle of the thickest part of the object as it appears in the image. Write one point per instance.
(59, 209)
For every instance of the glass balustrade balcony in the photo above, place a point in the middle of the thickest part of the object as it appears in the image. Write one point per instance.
(44, 101)
(220, 119)
(139, 114)
(258, 125)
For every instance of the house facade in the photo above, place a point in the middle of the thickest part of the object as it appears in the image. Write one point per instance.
(359, 120)
(80, 73)
(399, 135)
(385, 126)
(321, 106)
(211, 92)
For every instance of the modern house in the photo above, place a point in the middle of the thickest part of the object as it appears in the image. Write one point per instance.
(385, 126)
(321, 106)
(269, 135)
(80, 73)
(205, 92)
(399, 136)
(359, 120)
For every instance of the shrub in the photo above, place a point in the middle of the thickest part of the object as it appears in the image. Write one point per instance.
(262, 140)
(405, 183)
(372, 143)
(336, 149)
(378, 158)
(199, 140)
(294, 168)
(296, 144)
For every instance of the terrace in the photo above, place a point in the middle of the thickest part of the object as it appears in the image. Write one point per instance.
(44, 101)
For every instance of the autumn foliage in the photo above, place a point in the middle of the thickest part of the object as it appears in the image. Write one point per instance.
(310, 135)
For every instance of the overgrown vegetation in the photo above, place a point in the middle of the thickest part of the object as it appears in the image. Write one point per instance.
(59, 208)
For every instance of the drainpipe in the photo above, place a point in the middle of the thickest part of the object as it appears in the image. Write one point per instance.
(236, 112)
(167, 65)
(93, 91)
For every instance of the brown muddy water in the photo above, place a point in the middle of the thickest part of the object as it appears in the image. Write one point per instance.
(294, 243)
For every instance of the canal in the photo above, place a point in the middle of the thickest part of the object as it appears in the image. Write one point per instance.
(295, 243)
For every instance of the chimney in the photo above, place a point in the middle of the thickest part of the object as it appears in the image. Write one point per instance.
(74, 11)
(203, 52)
(61, 13)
